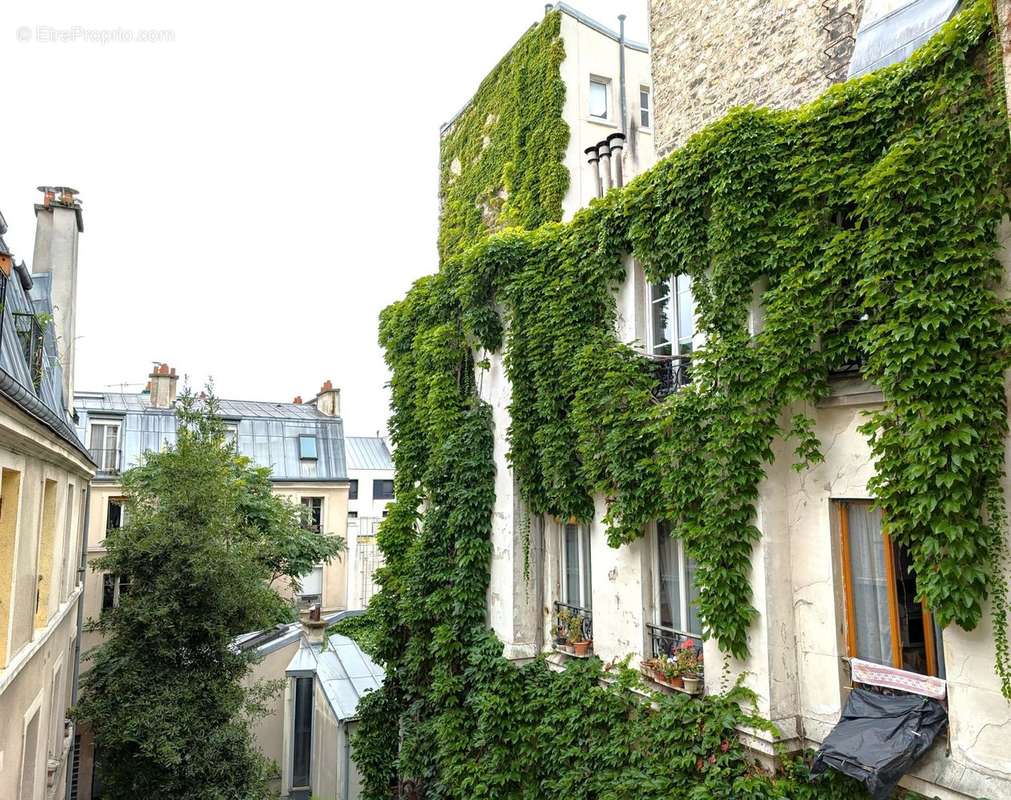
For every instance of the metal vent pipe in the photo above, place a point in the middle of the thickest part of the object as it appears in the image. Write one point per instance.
(592, 159)
(616, 141)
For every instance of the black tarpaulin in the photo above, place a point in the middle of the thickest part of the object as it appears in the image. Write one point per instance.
(879, 737)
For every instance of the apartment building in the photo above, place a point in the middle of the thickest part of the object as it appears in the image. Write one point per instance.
(370, 475)
(831, 589)
(302, 443)
(44, 475)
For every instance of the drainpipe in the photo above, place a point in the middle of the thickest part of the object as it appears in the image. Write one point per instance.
(592, 159)
(538, 559)
(82, 574)
(605, 164)
(621, 74)
(616, 141)
(347, 761)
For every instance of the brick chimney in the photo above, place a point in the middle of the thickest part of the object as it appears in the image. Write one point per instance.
(162, 385)
(313, 625)
(328, 401)
(58, 222)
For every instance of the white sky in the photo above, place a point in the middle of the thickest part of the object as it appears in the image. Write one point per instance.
(256, 190)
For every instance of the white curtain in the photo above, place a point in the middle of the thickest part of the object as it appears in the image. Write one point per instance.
(870, 584)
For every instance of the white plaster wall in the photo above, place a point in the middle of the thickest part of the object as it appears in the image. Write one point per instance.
(588, 52)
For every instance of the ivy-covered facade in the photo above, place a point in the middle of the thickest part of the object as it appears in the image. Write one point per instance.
(820, 471)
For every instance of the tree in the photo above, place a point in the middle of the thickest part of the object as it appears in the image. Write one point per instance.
(204, 539)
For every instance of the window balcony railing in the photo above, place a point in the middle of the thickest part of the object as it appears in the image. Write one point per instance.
(573, 629)
(671, 373)
(668, 664)
(108, 461)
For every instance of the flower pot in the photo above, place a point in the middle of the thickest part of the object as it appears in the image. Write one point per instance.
(693, 684)
(581, 648)
(674, 683)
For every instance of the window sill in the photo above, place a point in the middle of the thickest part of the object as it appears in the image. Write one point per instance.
(605, 123)
(650, 679)
(569, 650)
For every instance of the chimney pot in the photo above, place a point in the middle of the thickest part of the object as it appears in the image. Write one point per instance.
(298, 400)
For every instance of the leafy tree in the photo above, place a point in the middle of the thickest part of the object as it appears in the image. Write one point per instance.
(204, 539)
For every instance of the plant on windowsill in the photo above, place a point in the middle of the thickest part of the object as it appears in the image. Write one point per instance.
(579, 644)
(560, 630)
(689, 664)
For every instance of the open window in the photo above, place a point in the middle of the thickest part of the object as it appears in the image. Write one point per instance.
(573, 617)
(312, 508)
(105, 446)
(301, 741)
(675, 595)
(885, 623)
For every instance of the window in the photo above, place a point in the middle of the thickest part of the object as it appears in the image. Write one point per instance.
(232, 433)
(310, 586)
(352, 515)
(353, 489)
(115, 514)
(44, 564)
(672, 314)
(113, 589)
(644, 109)
(885, 623)
(676, 592)
(67, 557)
(313, 508)
(576, 587)
(307, 448)
(382, 489)
(10, 497)
(600, 88)
(29, 752)
(105, 446)
(301, 745)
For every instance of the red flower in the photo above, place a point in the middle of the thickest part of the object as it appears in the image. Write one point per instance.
(724, 745)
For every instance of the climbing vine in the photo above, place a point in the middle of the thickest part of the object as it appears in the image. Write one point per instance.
(866, 221)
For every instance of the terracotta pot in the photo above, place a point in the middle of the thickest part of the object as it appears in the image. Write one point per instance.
(581, 648)
(693, 684)
(674, 683)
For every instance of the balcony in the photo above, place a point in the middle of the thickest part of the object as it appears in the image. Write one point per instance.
(670, 373)
(675, 659)
(573, 630)
(109, 461)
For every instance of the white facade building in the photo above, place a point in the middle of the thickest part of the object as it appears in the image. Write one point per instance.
(370, 471)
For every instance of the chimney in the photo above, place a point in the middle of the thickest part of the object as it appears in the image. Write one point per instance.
(592, 159)
(313, 625)
(328, 401)
(58, 222)
(604, 151)
(162, 386)
(616, 141)
(298, 400)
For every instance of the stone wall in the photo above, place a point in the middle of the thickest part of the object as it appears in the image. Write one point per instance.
(709, 56)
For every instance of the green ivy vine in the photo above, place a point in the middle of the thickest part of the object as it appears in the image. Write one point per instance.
(870, 218)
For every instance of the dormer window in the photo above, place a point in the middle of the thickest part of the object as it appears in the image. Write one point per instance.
(307, 448)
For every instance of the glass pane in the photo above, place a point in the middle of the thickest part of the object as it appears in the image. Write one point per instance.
(572, 565)
(912, 620)
(353, 490)
(312, 582)
(307, 447)
(644, 118)
(643, 99)
(115, 519)
(587, 590)
(694, 624)
(108, 591)
(97, 438)
(598, 99)
(686, 310)
(870, 584)
(303, 732)
(662, 320)
(668, 577)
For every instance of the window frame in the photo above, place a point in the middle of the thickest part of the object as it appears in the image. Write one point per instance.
(583, 569)
(645, 89)
(315, 503)
(109, 424)
(232, 432)
(353, 489)
(119, 588)
(382, 495)
(301, 594)
(684, 598)
(933, 654)
(608, 117)
(683, 342)
(296, 738)
(308, 437)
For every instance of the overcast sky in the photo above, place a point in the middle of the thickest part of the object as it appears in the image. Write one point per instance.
(257, 185)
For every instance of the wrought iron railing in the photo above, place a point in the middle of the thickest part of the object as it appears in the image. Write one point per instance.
(108, 461)
(671, 373)
(30, 335)
(566, 615)
(664, 641)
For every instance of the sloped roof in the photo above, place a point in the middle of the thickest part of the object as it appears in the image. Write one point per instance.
(344, 671)
(367, 453)
(268, 433)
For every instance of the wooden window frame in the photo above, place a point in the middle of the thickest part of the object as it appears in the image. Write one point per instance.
(930, 645)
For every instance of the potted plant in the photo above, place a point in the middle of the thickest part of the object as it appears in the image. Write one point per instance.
(689, 663)
(561, 630)
(648, 667)
(580, 645)
(671, 673)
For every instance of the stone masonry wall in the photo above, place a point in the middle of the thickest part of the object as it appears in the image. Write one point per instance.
(712, 55)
